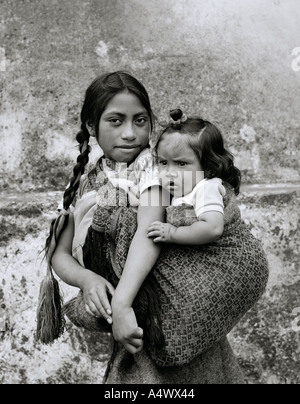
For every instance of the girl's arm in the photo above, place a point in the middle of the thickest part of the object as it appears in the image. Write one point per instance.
(207, 229)
(141, 258)
(94, 287)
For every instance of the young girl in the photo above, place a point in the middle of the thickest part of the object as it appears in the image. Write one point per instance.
(117, 112)
(193, 163)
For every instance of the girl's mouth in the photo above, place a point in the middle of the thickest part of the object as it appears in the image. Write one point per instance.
(128, 147)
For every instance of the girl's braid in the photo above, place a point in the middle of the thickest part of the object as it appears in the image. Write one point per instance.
(83, 139)
(50, 317)
(59, 223)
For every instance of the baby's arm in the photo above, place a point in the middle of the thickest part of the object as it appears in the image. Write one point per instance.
(95, 288)
(207, 229)
(142, 256)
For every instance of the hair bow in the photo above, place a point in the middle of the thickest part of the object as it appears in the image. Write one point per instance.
(179, 121)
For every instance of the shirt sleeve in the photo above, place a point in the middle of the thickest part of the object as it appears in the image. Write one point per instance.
(209, 197)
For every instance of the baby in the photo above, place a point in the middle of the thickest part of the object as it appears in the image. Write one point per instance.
(193, 164)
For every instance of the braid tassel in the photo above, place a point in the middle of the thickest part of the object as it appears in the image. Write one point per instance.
(50, 318)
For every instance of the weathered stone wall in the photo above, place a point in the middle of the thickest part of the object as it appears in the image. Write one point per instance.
(229, 60)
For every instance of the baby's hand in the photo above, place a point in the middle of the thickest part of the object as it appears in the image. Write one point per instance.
(161, 232)
(126, 330)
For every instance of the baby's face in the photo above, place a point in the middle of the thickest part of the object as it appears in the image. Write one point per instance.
(179, 167)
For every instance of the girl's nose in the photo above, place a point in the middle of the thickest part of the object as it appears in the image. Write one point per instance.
(128, 132)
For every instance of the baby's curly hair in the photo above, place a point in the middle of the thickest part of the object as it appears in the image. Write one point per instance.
(206, 140)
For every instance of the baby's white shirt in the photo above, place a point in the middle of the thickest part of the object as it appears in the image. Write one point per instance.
(206, 196)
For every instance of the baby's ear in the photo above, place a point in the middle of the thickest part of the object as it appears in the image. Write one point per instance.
(91, 129)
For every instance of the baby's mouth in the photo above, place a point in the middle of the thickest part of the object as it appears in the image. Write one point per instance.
(172, 184)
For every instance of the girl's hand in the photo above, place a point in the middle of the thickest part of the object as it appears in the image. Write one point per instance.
(95, 294)
(126, 330)
(161, 232)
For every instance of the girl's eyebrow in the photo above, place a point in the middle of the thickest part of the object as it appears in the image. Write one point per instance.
(121, 115)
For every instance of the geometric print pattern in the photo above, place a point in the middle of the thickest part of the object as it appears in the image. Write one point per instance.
(206, 290)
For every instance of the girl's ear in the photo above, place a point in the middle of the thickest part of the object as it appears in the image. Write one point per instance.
(91, 129)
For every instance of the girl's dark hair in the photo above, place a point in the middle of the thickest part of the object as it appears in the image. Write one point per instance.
(97, 96)
(207, 142)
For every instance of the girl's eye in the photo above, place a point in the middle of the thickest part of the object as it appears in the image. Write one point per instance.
(115, 121)
(182, 164)
(141, 121)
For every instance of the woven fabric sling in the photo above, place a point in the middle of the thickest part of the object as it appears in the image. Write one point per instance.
(193, 296)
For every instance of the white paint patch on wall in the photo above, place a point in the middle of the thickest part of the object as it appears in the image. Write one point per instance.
(2, 60)
(61, 146)
(11, 123)
(102, 52)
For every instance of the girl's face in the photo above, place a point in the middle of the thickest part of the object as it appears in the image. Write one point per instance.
(179, 167)
(124, 128)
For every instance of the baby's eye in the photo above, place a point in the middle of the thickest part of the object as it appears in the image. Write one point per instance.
(182, 163)
(162, 163)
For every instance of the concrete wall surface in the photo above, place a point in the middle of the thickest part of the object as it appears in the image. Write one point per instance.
(236, 63)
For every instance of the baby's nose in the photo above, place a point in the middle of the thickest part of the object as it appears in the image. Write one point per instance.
(172, 173)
